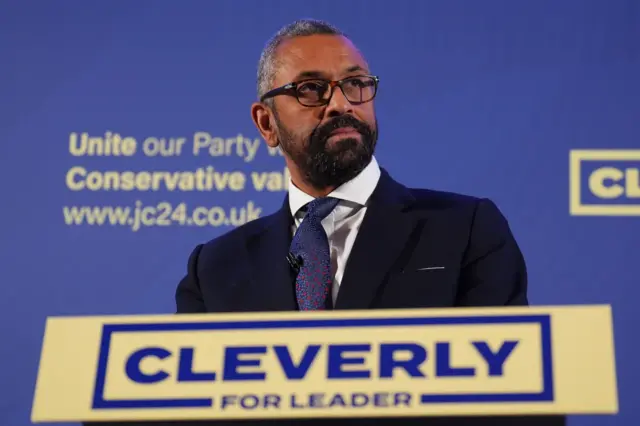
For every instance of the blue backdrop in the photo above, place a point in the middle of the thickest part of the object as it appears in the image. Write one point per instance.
(482, 97)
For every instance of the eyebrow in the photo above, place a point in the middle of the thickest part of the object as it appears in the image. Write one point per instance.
(320, 74)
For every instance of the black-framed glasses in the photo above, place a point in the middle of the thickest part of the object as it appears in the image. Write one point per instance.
(357, 89)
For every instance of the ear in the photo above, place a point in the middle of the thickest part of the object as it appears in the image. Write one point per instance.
(261, 115)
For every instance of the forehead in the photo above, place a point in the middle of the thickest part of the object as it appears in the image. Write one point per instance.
(326, 56)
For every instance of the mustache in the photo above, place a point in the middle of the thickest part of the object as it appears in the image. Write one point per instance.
(323, 132)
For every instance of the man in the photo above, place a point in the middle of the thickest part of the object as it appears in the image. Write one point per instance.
(347, 236)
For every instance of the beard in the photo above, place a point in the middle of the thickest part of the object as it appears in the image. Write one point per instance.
(323, 165)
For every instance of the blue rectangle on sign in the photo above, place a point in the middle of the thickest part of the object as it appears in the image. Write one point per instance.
(544, 322)
(609, 183)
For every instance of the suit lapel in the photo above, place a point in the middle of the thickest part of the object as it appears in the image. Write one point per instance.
(272, 280)
(381, 238)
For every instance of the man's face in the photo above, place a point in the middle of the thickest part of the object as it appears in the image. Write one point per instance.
(332, 143)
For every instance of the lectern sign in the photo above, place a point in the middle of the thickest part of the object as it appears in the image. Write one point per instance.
(295, 365)
(348, 363)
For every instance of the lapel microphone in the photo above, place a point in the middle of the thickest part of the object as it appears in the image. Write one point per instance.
(294, 261)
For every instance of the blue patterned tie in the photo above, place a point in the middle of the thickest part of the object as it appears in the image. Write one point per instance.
(310, 243)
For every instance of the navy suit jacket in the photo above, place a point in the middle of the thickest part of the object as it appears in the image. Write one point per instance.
(465, 244)
(403, 231)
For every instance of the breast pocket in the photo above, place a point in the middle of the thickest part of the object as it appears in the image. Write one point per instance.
(422, 287)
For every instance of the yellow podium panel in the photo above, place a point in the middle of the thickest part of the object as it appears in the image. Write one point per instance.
(481, 361)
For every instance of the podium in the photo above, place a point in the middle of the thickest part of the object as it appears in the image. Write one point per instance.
(462, 366)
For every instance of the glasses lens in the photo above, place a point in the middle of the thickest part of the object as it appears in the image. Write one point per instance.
(359, 89)
(313, 92)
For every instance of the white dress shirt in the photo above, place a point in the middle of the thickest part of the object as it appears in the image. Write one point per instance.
(343, 223)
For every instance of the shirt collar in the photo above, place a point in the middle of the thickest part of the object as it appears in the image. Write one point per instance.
(357, 190)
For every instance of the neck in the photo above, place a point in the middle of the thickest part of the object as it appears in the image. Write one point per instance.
(311, 190)
(303, 185)
(315, 192)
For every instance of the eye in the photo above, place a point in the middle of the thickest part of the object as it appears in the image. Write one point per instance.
(356, 82)
(360, 82)
(312, 88)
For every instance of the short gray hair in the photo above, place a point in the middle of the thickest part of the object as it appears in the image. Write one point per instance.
(299, 28)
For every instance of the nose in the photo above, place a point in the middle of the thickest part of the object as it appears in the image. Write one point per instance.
(338, 104)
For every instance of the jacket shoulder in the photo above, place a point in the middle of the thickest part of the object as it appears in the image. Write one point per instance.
(453, 206)
(228, 244)
(444, 200)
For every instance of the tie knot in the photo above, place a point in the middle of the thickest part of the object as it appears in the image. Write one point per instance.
(321, 207)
